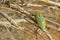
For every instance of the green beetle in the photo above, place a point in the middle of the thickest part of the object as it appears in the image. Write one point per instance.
(40, 20)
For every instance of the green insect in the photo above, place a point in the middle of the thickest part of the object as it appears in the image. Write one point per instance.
(40, 20)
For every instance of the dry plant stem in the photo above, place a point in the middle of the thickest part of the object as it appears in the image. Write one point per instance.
(12, 37)
(50, 2)
(36, 33)
(48, 34)
(17, 21)
(29, 13)
(5, 23)
(8, 18)
(50, 37)
(8, 24)
(19, 8)
(39, 32)
(15, 24)
(53, 27)
(35, 21)
(44, 30)
(13, 20)
(24, 20)
(53, 3)
(36, 29)
(22, 10)
(36, 5)
(54, 36)
(53, 22)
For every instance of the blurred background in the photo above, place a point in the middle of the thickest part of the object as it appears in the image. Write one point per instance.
(17, 19)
